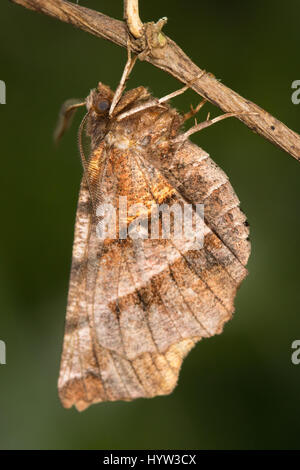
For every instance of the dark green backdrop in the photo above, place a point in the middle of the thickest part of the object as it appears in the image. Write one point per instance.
(237, 390)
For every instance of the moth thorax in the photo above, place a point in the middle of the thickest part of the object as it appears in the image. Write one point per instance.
(118, 140)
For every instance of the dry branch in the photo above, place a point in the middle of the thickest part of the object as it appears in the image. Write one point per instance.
(173, 60)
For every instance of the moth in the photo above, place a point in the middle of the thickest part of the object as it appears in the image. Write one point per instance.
(136, 307)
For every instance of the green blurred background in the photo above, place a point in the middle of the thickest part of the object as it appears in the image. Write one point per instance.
(238, 390)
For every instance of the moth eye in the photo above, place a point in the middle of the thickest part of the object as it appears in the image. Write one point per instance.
(102, 106)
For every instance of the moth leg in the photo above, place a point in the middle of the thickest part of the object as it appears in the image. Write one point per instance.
(65, 117)
(193, 111)
(159, 102)
(181, 90)
(126, 72)
(131, 97)
(204, 124)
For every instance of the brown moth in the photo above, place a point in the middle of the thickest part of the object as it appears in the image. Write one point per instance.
(136, 307)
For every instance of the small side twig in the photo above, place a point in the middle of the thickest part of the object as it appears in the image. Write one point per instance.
(132, 17)
(174, 61)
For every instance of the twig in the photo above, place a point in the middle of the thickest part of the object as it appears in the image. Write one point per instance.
(132, 17)
(173, 60)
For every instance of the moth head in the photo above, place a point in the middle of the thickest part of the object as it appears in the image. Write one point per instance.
(99, 100)
(97, 103)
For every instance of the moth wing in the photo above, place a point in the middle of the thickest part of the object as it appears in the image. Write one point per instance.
(78, 345)
(200, 180)
(109, 352)
(137, 307)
